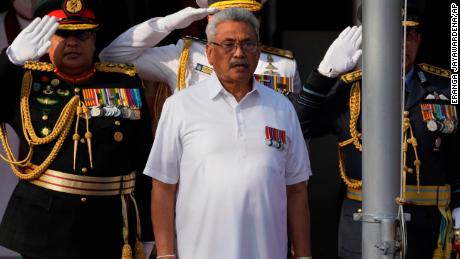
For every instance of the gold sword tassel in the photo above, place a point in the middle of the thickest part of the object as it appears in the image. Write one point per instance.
(88, 135)
(75, 136)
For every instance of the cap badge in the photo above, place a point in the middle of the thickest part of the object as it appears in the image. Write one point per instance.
(73, 6)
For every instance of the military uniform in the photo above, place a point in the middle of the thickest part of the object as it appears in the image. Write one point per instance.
(88, 138)
(433, 125)
(185, 63)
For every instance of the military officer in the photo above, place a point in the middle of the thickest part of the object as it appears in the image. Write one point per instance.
(185, 63)
(432, 140)
(87, 133)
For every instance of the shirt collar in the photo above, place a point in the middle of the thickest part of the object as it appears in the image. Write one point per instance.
(215, 87)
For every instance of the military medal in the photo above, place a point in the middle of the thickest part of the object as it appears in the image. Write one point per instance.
(96, 111)
(278, 83)
(268, 139)
(432, 125)
(113, 102)
(275, 137)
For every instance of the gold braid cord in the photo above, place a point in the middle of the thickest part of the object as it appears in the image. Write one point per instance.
(355, 102)
(410, 141)
(350, 183)
(355, 108)
(250, 5)
(183, 64)
(60, 131)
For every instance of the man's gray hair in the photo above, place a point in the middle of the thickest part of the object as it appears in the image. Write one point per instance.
(231, 14)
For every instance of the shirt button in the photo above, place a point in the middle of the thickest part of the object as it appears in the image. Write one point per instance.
(83, 199)
(84, 170)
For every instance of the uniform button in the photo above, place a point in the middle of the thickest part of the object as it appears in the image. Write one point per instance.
(359, 210)
(83, 199)
(84, 170)
(117, 122)
(118, 136)
(77, 90)
(82, 140)
(45, 117)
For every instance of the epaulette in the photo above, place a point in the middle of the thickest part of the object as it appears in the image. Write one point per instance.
(39, 66)
(279, 52)
(203, 41)
(352, 76)
(435, 70)
(127, 69)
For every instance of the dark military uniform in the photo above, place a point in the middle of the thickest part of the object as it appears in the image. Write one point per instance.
(323, 110)
(62, 214)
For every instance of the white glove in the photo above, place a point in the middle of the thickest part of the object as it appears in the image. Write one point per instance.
(456, 217)
(148, 248)
(343, 54)
(33, 41)
(184, 18)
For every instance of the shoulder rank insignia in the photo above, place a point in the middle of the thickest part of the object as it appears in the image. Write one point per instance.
(435, 70)
(279, 52)
(39, 66)
(127, 69)
(352, 76)
(203, 41)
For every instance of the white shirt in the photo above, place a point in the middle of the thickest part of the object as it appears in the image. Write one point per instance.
(231, 200)
(162, 63)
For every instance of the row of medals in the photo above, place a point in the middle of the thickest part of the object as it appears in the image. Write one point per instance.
(132, 113)
(444, 121)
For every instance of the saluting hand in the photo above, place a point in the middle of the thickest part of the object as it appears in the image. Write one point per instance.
(185, 17)
(343, 54)
(33, 41)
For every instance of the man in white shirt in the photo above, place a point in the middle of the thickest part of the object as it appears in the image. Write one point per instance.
(232, 152)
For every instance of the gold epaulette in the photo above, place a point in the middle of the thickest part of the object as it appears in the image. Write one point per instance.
(352, 76)
(40, 66)
(203, 41)
(127, 69)
(435, 70)
(279, 52)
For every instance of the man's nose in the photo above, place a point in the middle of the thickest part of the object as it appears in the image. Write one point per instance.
(238, 51)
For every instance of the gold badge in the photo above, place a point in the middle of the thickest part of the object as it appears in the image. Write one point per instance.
(55, 82)
(45, 131)
(73, 6)
(118, 136)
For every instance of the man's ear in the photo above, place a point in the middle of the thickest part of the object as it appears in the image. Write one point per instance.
(209, 53)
